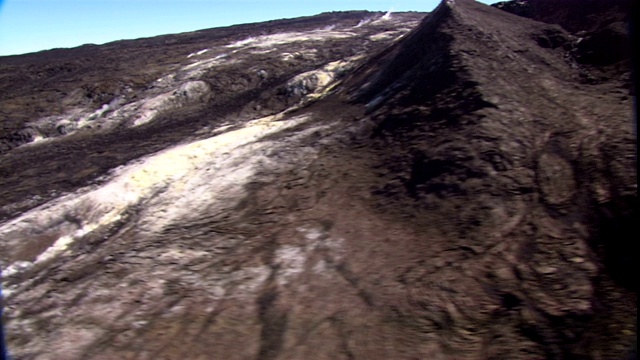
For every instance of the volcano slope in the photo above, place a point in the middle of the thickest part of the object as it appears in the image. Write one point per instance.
(313, 192)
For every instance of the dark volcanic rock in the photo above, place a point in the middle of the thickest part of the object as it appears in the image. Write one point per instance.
(603, 31)
(475, 138)
(572, 15)
(455, 193)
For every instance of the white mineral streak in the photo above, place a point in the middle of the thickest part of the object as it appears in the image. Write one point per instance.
(291, 261)
(314, 83)
(187, 93)
(164, 94)
(385, 35)
(174, 183)
(197, 53)
(290, 37)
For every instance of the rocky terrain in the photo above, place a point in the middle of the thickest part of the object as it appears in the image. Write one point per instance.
(460, 185)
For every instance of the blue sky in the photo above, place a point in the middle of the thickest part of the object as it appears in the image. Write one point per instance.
(33, 25)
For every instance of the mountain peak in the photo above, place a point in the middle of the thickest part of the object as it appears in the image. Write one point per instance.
(352, 185)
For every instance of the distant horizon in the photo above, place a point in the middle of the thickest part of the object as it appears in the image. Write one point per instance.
(28, 26)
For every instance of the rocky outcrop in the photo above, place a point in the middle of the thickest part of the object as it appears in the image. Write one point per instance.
(602, 31)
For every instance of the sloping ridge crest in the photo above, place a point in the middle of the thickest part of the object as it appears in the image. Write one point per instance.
(431, 52)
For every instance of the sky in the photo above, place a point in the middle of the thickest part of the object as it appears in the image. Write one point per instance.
(34, 25)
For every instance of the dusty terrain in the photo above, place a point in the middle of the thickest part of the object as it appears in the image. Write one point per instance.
(351, 185)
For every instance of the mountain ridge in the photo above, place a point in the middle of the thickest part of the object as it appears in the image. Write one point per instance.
(456, 191)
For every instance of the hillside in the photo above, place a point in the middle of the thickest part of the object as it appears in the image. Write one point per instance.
(457, 185)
